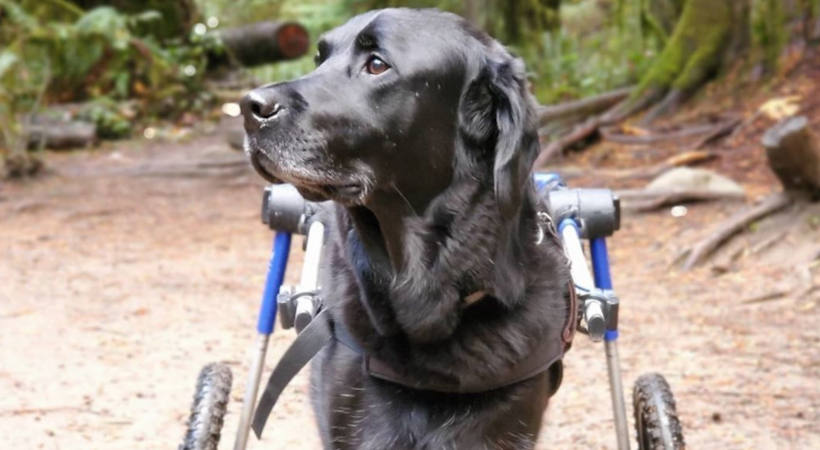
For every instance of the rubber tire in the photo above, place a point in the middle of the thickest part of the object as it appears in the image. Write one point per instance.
(656, 419)
(213, 389)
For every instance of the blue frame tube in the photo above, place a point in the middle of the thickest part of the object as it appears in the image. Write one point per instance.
(600, 263)
(603, 278)
(275, 277)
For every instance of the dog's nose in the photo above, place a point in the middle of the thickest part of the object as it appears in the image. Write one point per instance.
(260, 105)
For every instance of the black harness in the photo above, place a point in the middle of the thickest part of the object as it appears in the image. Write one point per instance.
(322, 330)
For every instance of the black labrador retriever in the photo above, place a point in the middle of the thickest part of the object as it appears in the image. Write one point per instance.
(421, 130)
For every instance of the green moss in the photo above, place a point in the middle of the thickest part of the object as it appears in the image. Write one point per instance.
(660, 16)
(768, 29)
(693, 50)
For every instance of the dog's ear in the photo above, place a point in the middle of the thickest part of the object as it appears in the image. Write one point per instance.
(516, 144)
(497, 104)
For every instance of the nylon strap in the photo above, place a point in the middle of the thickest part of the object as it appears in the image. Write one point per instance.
(307, 344)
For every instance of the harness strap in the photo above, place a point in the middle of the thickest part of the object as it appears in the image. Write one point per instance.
(544, 355)
(313, 338)
(320, 332)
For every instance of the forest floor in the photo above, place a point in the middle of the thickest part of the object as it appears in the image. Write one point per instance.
(116, 286)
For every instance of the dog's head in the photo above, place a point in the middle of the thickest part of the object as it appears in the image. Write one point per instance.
(401, 101)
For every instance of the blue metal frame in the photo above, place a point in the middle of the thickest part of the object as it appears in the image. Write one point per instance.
(603, 278)
(600, 263)
(275, 277)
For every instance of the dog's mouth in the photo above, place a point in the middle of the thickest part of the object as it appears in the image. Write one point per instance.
(313, 186)
(346, 193)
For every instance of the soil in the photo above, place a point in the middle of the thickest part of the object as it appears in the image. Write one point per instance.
(116, 288)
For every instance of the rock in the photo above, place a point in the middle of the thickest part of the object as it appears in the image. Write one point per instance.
(687, 178)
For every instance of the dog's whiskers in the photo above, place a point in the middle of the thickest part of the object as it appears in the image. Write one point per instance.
(401, 194)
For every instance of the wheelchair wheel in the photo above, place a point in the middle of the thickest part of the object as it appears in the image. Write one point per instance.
(213, 388)
(656, 419)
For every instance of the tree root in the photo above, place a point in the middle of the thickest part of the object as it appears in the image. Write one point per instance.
(709, 133)
(631, 106)
(581, 132)
(721, 131)
(654, 138)
(681, 159)
(583, 107)
(668, 105)
(734, 225)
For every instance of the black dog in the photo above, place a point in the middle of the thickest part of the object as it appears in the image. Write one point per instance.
(421, 130)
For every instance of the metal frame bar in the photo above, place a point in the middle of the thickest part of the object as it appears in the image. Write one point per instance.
(267, 318)
(603, 280)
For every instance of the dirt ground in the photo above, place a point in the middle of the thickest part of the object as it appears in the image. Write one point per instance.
(116, 288)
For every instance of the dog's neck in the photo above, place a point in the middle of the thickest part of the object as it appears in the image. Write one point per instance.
(417, 271)
(385, 227)
(381, 229)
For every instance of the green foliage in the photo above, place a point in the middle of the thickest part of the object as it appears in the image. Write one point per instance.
(514, 22)
(22, 85)
(55, 51)
(113, 119)
(595, 50)
(571, 66)
(590, 53)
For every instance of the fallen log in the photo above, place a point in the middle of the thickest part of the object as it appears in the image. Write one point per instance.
(793, 152)
(61, 135)
(260, 43)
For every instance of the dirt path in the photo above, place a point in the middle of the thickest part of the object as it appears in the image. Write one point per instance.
(115, 290)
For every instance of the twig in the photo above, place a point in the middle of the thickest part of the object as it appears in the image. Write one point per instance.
(767, 297)
(766, 243)
(704, 248)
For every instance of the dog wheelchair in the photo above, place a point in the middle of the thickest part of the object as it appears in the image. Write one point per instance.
(580, 214)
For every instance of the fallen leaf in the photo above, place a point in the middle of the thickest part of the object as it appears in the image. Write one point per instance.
(779, 108)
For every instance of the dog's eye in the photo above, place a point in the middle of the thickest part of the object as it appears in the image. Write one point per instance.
(375, 66)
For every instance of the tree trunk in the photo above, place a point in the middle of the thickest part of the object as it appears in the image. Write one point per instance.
(793, 151)
(692, 53)
(660, 16)
(708, 37)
